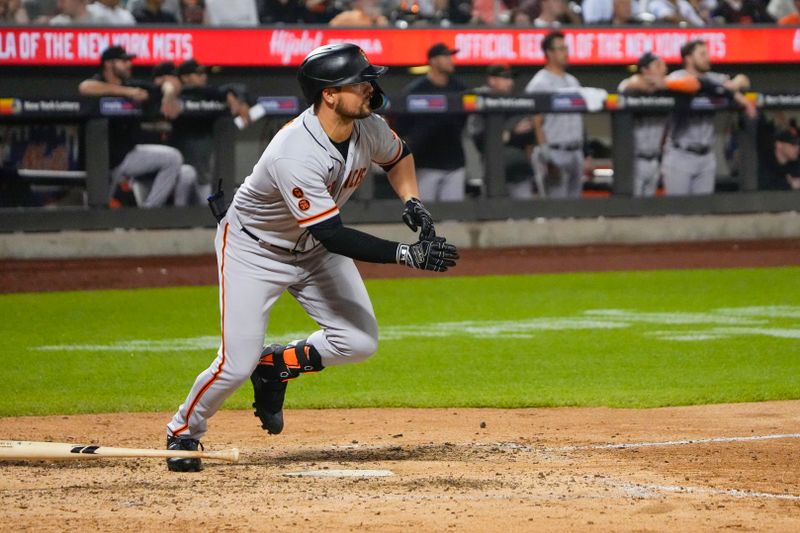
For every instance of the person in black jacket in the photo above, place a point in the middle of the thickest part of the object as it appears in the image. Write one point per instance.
(435, 138)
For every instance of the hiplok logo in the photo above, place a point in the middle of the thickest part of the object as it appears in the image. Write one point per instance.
(287, 44)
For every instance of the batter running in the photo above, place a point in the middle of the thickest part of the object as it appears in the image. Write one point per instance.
(283, 232)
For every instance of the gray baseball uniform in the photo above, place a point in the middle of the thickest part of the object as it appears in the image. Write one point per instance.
(689, 165)
(564, 133)
(648, 132)
(263, 249)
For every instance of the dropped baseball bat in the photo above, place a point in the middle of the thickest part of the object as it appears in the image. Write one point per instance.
(18, 449)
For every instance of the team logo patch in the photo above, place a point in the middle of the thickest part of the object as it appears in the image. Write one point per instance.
(303, 204)
(297, 192)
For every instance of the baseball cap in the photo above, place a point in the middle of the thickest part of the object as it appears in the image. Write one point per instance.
(115, 52)
(165, 68)
(501, 70)
(441, 49)
(787, 136)
(190, 66)
(645, 59)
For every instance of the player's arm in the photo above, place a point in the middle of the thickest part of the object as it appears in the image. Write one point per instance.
(102, 88)
(435, 254)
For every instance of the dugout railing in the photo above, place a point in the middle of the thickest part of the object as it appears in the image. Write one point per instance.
(92, 115)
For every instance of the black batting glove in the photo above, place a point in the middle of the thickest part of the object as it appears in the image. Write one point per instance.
(416, 216)
(435, 254)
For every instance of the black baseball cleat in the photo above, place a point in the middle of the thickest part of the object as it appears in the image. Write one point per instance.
(269, 395)
(184, 464)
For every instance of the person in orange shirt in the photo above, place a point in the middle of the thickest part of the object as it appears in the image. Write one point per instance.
(363, 13)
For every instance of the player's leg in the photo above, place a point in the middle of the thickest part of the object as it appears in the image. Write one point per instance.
(645, 176)
(677, 169)
(165, 161)
(452, 186)
(185, 188)
(558, 173)
(246, 297)
(428, 183)
(705, 178)
(573, 174)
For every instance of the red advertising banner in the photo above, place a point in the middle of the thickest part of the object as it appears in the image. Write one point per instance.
(394, 47)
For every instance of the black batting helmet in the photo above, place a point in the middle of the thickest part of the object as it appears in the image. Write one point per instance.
(334, 65)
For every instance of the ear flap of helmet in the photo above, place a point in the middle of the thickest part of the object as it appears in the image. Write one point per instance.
(379, 99)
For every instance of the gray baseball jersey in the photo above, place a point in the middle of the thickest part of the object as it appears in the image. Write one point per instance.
(560, 128)
(696, 129)
(300, 180)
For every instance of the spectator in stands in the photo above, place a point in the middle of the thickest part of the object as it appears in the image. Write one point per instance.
(558, 159)
(281, 11)
(73, 12)
(13, 12)
(320, 11)
(779, 157)
(689, 165)
(231, 13)
(741, 12)
(518, 17)
(153, 12)
(193, 11)
(435, 139)
(111, 13)
(551, 14)
(792, 19)
(133, 163)
(490, 12)
(518, 137)
(680, 12)
(363, 13)
(170, 6)
(598, 11)
(194, 136)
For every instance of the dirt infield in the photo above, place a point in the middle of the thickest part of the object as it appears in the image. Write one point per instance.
(453, 470)
(685, 468)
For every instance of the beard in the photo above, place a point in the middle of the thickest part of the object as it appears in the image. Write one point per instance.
(353, 112)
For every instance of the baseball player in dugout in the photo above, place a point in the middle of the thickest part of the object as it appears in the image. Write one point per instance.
(153, 171)
(283, 232)
(649, 128)
(558, 159)
(689, 165)
(435, 139)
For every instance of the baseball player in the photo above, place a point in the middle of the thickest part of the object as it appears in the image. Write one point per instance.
(689, 165)
(283, 232)
(558, 158)
(649, 128)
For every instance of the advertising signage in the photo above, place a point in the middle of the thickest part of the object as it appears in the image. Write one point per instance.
(286, 47)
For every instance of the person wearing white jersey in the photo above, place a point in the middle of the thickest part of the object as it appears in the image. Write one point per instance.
(558, 158)
(689, 166)
(283, 232)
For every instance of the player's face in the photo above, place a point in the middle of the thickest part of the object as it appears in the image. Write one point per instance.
(353, 100)
(121, 68)
(657, 68)
(558, 54)
(501, 84)
(699, 58)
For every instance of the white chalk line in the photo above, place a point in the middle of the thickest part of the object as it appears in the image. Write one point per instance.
(640, 490)
(717, 324)
(684, 442)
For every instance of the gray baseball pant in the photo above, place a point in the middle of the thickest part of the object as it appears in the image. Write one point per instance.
(328, 286)
(688, 173)
(437, 185)
(645, 176)
(568, 184)
(144, 159)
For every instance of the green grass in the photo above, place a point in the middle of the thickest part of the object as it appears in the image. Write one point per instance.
(628, 366)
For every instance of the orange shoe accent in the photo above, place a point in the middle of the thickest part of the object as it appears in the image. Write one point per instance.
(216, 374)
(266, 360)
(290, 358)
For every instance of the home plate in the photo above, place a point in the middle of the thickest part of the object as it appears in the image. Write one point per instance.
(341, 473)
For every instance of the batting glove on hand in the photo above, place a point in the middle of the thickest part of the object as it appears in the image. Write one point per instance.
(434, 255)
(416, 216)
